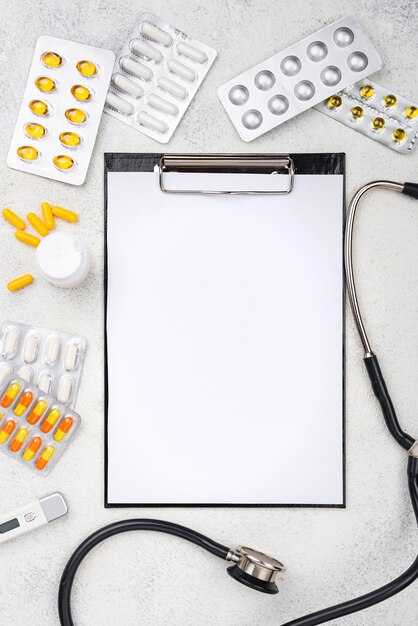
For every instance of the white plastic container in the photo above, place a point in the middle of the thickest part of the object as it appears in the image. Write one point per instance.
(63, 260)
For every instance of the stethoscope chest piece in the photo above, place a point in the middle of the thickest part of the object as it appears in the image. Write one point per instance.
(254, 569)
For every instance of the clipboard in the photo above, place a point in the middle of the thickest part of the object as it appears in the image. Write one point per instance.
(270, 427)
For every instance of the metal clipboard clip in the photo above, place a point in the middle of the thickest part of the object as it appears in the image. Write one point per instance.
(271, 164)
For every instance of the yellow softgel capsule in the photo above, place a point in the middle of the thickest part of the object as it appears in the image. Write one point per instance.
(334, 102)
(411, 112)
(27, 153)
(367, 91)
(64, 214)
(44, 83)
(86, 68)
(35, 131)
(390, 100)
(14, 219)
(63, 162)
(38, 107)
(399, 135)
(20, 282)
(31, 240)
(47, 215)
(37, 223)
(71, 140)
(51, 59)
(357, 112)
(80, 92)
(76, 116)
(378, 123)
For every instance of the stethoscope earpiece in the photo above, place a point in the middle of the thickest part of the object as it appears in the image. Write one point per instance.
(254, 569)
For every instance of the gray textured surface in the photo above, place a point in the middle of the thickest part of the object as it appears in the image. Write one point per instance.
(331, 554)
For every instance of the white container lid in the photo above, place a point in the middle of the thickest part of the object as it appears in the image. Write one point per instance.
(63, 260)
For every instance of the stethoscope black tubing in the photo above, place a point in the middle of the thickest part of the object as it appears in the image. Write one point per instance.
(66, 583)
(378, 595)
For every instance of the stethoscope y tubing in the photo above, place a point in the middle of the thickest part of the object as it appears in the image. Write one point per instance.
(402, 438)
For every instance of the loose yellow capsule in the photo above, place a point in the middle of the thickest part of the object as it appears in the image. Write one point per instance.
(44, 83)
(71, 140)
(86, 68)
(357, 112)
(31, 240)
(63, 162)
(14, 219)
(64, 214)
(38, 107)
(35, 131)
(399, 135)
(51, 59)
(411, 112)
(19, 283)
(367, 91)
(390, 100)
(80, 92)
(37, 223)
(378, 124)
(76, 116)
(47, 215)
(334, 102)
(28, 153)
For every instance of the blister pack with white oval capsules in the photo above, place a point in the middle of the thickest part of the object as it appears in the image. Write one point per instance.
(51, 360)
(156, 76)
(35, 429)
(61, 110)
(377, 113)
(299, 77)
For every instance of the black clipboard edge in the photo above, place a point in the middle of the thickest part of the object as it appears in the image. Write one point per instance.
(305, 163)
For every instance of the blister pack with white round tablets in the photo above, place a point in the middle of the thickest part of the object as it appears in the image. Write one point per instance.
(299, 77)
(376, 112)
(51, 360)
(156, 76)
(35, 428)
(61, 110)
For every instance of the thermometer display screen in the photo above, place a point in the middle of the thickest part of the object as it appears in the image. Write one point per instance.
(10, 525)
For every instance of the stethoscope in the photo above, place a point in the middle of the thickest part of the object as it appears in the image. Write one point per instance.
(251, 567)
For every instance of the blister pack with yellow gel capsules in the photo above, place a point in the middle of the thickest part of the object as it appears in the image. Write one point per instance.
(35, 429)
(51, 360)
(376, 112)
(61, 110)
(156, 76)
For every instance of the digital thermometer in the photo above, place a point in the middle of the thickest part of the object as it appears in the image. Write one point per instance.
(32, 516)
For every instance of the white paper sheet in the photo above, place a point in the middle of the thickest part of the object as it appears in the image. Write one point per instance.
(225, 343)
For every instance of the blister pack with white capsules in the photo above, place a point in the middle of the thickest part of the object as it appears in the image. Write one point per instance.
(376, 112)
(156, 76)
(51, 360)
(35, 429)
(61, 110)
(299, 77)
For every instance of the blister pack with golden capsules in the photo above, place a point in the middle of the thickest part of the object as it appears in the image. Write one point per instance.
(35, 429)
(376, 112)
(50, 359)
(61, 110)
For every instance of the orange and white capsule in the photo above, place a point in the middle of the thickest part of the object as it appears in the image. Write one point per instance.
(64, 428)
(50, 420)
(10, 395)
(19, 439)
(37, 412)
(32, 448)
(7, 430)
(24, 401)
(45, 457)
